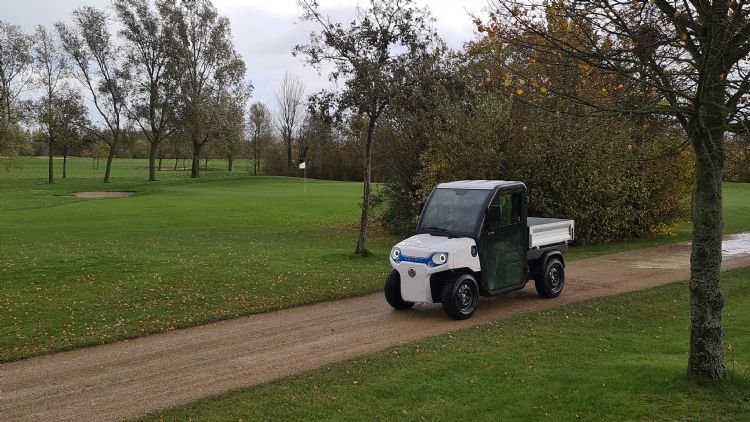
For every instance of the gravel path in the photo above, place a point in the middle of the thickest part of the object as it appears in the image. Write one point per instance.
(129, 379)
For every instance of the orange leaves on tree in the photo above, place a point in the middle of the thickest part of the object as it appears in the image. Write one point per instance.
(584, 67)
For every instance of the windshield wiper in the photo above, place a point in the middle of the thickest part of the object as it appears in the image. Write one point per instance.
(436, 229)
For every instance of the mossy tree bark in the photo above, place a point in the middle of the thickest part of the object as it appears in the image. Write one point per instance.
(707, 130)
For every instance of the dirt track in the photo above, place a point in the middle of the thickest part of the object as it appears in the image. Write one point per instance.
(131, 378)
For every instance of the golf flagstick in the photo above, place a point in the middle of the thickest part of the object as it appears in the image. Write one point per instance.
(303, 167)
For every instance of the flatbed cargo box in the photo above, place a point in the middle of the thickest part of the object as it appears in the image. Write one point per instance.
(549, 231)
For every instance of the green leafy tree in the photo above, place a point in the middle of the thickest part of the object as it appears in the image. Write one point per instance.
(231, 134)
(99, 64)
(72, 117)
(685, 61)
(201, 41)
(260, 132)
(152, 87)
(371, 56)
(56, 109)
(15, 79)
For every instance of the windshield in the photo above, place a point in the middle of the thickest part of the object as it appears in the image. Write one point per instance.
(453, 210)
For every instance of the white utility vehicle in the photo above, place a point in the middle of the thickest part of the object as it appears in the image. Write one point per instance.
(475, 238)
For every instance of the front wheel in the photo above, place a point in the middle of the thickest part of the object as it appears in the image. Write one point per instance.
(550, 284)
(460, 297)
(392, 290)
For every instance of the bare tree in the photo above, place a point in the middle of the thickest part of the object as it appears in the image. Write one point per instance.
(100, 69)
(683, 61)
(289, 113)
(372, 57)
(260, 127)
(152, 88)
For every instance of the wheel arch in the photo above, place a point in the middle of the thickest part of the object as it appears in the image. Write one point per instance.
(540, 264)
(438, 280)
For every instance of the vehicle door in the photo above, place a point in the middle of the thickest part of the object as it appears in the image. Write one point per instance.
(502, 245)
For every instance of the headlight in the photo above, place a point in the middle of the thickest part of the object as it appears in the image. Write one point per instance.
(396, 254)
(440, 258)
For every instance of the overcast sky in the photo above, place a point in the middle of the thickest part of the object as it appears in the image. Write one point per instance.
(265, 31)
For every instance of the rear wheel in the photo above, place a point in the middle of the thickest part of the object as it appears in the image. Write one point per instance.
(550, 283)
(392, 292)
(460, 297)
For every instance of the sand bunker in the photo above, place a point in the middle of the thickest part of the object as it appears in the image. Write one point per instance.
(102, 194)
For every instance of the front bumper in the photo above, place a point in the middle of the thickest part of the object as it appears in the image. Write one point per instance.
(415, 280)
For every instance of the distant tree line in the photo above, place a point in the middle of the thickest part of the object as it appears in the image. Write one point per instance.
(170, 78)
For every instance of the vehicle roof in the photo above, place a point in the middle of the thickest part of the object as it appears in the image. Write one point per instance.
(480, 184)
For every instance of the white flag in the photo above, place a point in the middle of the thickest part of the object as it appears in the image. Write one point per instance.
(302, 166)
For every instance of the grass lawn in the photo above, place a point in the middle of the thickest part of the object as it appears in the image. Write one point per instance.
(77, 272)
(618, 358)
(736, 220)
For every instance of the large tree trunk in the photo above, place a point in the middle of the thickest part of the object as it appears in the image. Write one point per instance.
(706, 300)
(51, 164)
(152, 161)
(362, 240)
(231, 163)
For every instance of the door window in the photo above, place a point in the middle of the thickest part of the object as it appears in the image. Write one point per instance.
(504, 210)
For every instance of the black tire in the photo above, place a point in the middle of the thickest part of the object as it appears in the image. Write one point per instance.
(550, 283)
(392, 290)
(460, 297)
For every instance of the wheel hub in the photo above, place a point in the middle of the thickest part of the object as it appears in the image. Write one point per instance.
(465, 297)
(554, 278)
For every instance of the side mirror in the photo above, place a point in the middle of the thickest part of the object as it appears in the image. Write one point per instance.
(420, 207)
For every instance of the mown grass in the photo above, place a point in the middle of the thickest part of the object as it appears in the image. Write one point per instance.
(621, 358)
(180, 252)
(736, 220)
(78, 272)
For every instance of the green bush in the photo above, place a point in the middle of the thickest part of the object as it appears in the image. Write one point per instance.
(619, 178)
(738, 160)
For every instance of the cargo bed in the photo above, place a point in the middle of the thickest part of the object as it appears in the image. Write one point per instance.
(549, 231)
